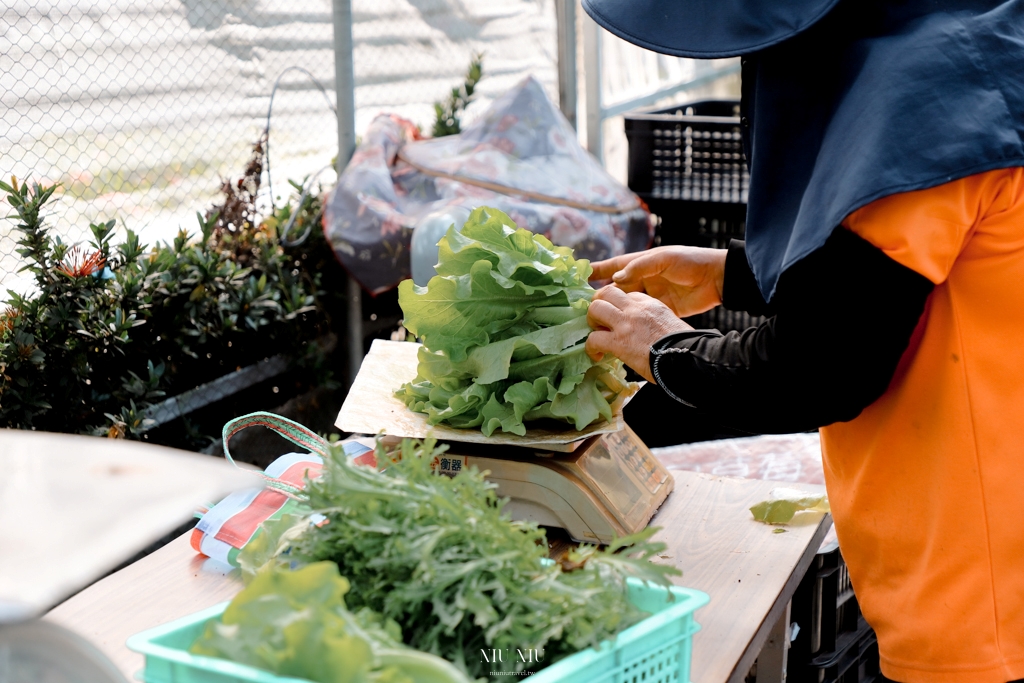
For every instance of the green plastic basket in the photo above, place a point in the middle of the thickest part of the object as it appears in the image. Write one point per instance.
(656, 650)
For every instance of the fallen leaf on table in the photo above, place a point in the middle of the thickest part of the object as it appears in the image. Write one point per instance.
(783, 504)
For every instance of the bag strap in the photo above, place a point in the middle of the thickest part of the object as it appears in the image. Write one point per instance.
(289, 429)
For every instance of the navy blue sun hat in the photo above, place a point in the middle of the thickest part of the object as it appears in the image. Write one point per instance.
(706, 29)
(847, 101)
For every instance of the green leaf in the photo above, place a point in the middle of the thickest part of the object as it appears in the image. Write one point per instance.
(525, 396)
(584, 404)
(272, 539)
(519, 254)
(455, 313)
(497, 414)
(296, 623)
(420, 666)
(490, 363)
(783, 504)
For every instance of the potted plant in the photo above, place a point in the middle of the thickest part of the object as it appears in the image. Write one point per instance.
(111, 329)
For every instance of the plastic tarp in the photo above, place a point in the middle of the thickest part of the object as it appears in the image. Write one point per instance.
(521, 156)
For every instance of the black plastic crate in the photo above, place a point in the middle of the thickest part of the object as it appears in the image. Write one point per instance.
(690, 152)
(834, 643)
(686, 162)
(839, 611)
(854, 661)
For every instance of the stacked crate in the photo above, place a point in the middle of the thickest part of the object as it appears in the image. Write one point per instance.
(833, 643)
(687, 163)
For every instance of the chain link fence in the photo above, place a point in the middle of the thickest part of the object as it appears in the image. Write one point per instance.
(139, 110)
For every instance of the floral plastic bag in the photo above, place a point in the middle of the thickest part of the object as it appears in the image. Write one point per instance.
(521, 157)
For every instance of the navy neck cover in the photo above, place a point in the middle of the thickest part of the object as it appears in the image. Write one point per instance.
(850, 101)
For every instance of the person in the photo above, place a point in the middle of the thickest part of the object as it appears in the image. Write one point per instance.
(885, 241)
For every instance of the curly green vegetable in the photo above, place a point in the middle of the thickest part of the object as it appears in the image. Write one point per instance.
(442, 558)
(503, 326)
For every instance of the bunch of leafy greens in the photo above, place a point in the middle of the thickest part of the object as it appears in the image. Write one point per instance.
(503, 326)
(295, 623)
(441, 557)
(111, 327)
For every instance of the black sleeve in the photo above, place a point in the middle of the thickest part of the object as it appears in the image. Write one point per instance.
(739, 290)
(844, 315)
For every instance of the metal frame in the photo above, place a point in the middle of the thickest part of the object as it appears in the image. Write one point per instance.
(345, 86)
(597, 111)
(771, 663)
(592, 79)
(565, 17)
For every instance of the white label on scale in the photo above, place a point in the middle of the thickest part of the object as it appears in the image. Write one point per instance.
(449, 464)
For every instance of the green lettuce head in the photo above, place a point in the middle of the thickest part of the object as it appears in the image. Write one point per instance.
(503, 326)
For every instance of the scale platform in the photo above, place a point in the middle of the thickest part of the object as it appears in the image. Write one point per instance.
(597, 484)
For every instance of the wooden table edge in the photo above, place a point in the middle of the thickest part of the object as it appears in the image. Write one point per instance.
(778, 608)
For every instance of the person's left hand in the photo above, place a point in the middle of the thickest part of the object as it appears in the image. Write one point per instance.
(626, 325)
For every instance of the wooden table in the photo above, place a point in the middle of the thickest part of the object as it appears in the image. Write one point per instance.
(749, 571)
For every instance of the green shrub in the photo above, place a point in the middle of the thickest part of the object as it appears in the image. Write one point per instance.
(448, 114)
(111, 328)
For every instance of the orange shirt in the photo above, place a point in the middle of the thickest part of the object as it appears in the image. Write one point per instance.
(927, 484)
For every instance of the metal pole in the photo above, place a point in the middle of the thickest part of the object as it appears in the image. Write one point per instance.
(354, 322)
(771, 663)
(592, 74)
(344, 81)
(344, 87)
(565, 14)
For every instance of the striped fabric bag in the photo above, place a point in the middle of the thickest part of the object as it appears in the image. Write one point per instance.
(225, 528)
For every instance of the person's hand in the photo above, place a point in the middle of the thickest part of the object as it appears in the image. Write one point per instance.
(626, 325)
(686, 279)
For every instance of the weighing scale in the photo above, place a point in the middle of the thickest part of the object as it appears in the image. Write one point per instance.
(597, 483)
(71, 509)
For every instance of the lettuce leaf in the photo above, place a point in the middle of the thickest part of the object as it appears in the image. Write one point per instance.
(503, 327)
(296, 623)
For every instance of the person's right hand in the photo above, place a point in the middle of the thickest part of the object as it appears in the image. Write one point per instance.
(686, 279)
